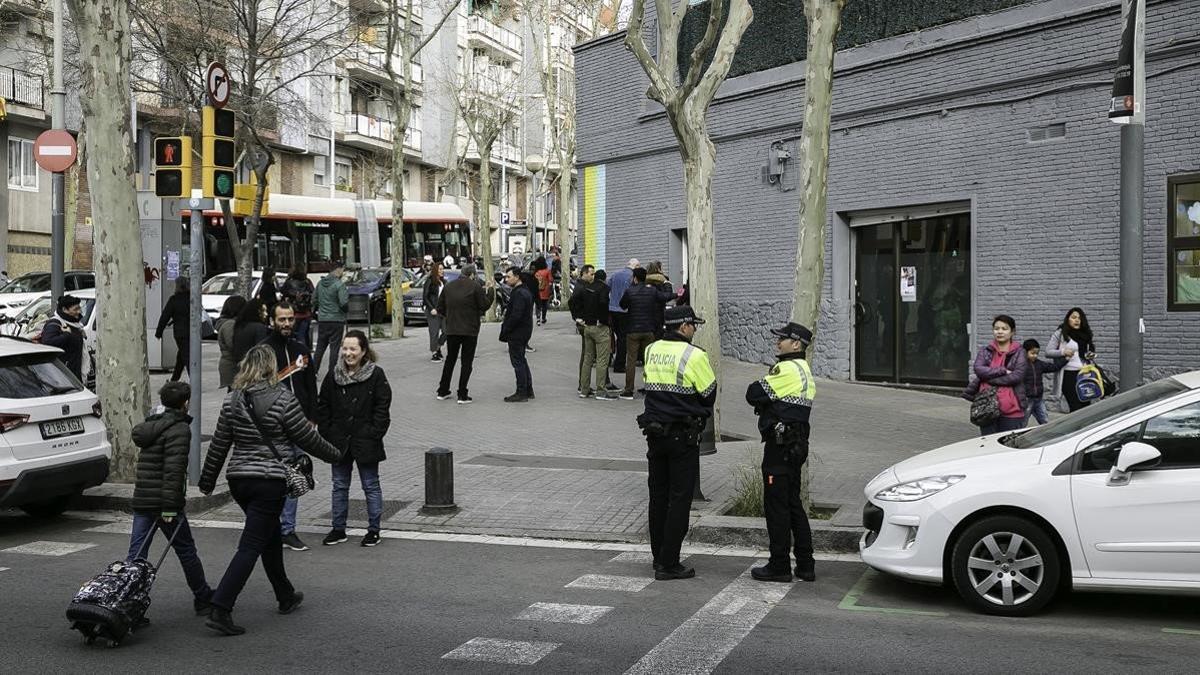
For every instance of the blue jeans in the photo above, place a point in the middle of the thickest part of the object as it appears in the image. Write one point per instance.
(1037, 410)
(145, 524)
(1003, 424)
(368, 474)
(287, 519)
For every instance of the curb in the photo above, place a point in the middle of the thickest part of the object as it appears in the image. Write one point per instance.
(752, 533)
(118, 496)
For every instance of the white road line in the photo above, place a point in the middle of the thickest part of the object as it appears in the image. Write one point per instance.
(3, 569)
(511, 652)
(610, 582)
(704, 640)
(51, 548)
(110, 528)
(639, 557)
(558, 613)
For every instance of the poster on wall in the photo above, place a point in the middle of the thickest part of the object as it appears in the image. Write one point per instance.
(908, 284)
(172, 265)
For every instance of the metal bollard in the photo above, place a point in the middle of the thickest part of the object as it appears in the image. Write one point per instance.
(439, 481)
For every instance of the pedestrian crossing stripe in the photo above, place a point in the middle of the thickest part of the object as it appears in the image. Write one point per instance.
(609, 582)
(552, 612)
(49, 548)
(510, 652)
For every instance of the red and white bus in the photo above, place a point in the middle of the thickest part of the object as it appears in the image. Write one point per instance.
(317, 230)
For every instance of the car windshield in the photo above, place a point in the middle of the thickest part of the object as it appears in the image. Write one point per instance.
(1096, 413)
(30, 283)
(220, 285)
(363, 277)
(34, 376)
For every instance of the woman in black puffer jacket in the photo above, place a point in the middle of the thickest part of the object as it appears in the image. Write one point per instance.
(256, 477)
(354, 413)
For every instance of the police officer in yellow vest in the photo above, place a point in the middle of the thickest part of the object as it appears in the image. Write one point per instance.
(783, 400)
(680, 391)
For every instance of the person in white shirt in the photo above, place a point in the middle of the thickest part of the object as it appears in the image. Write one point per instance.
(1072, 341)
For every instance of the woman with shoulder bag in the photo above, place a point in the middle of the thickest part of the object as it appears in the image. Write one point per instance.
(260, 420)
(429, 298)
(1072, 341)
(354, 413)
(997, 390)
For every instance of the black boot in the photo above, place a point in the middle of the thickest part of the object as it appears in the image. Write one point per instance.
(290, 605)
(768, 573)
(806, 570)
(202, 607)
(677, 571)
(222, 621)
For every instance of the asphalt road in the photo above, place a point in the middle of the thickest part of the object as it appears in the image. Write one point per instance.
(417, 604)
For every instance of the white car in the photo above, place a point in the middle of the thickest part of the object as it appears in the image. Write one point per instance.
(217, 289)
(53, 444)
(1106, 498)
(20, 292)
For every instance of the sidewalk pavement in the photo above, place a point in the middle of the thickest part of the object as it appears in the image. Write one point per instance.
(564, 467)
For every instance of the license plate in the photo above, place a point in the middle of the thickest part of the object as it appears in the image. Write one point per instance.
(414, 310)
(65, 427)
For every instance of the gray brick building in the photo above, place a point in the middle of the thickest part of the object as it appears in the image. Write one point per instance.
(974, 155)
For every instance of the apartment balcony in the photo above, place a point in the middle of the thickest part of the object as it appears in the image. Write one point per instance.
(368, 63)
(379, 6)
(482, 33)
(23, 93)
(375, 134)
(502, 153)
(499, 90)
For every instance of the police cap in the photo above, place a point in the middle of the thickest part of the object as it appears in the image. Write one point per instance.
(794, 331)
(677, 316)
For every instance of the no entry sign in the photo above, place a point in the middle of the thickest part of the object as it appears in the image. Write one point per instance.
(55, 150)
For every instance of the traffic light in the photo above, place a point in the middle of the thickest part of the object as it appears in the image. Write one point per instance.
(173, 167)
(219, 153)
(243, 198)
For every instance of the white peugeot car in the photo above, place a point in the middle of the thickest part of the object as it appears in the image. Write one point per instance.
(1106, 498)
(53, 444)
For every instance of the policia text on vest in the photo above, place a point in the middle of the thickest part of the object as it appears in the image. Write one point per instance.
(783, 401)
(680, 391)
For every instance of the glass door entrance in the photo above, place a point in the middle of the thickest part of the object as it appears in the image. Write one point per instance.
(913, 301)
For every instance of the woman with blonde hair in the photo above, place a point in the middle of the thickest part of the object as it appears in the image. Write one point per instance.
(258, 417)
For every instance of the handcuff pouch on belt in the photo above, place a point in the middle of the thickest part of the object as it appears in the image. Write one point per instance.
(689, 431)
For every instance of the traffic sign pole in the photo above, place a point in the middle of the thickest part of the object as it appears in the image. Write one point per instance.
(58, 116)
(195, 334)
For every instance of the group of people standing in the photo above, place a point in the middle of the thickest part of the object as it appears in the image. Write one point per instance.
(1016, 370)
(274, 415)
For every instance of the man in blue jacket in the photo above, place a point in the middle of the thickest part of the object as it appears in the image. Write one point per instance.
(517, 329)
(617, 283)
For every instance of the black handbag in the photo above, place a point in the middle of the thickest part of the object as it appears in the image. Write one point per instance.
(297, 471)
(985, 409)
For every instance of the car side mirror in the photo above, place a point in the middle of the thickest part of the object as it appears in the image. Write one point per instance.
(1133, 455)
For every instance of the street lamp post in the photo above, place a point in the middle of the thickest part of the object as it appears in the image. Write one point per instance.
(534, 164)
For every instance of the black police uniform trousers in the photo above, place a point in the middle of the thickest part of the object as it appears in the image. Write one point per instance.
(787, 523)
(674, 464)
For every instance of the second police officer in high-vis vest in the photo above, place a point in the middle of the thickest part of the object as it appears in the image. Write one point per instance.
(783, 400)
(680, 391)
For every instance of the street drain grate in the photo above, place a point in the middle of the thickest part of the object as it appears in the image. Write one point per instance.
(557, 462)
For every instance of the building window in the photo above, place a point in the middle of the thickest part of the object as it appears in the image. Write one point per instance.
(343, 175)
(1183, 243)
(22, 170)
(320, 162)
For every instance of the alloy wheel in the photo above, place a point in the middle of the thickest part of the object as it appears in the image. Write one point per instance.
(1005, 568)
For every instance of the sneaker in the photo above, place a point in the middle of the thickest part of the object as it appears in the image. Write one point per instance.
(222, 621)
(437, 356)
(443, 397)
(585, 395)
(370, 539)
(464, 400)
(768, 573)
(529, 348)
(611, 387)
(530, 395)
(806, 570)
(293, 542)
(516, 398)
(605, 396)
(289, 606)
(676, 571)
(334, 537)
(627, 395)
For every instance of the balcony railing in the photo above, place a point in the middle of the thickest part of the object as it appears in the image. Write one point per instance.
(494, 33)
(376, 59)
(380, 129)
(18, 86)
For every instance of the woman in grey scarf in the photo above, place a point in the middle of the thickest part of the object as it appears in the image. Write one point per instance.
(353, 413)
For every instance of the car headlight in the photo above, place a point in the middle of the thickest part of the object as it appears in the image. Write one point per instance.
(918, 489)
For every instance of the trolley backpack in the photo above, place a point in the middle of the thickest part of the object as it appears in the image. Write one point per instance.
(114, 602)
(1089, 383)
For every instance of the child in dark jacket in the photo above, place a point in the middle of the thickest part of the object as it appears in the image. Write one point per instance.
(1035, 388)
(160, 492)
